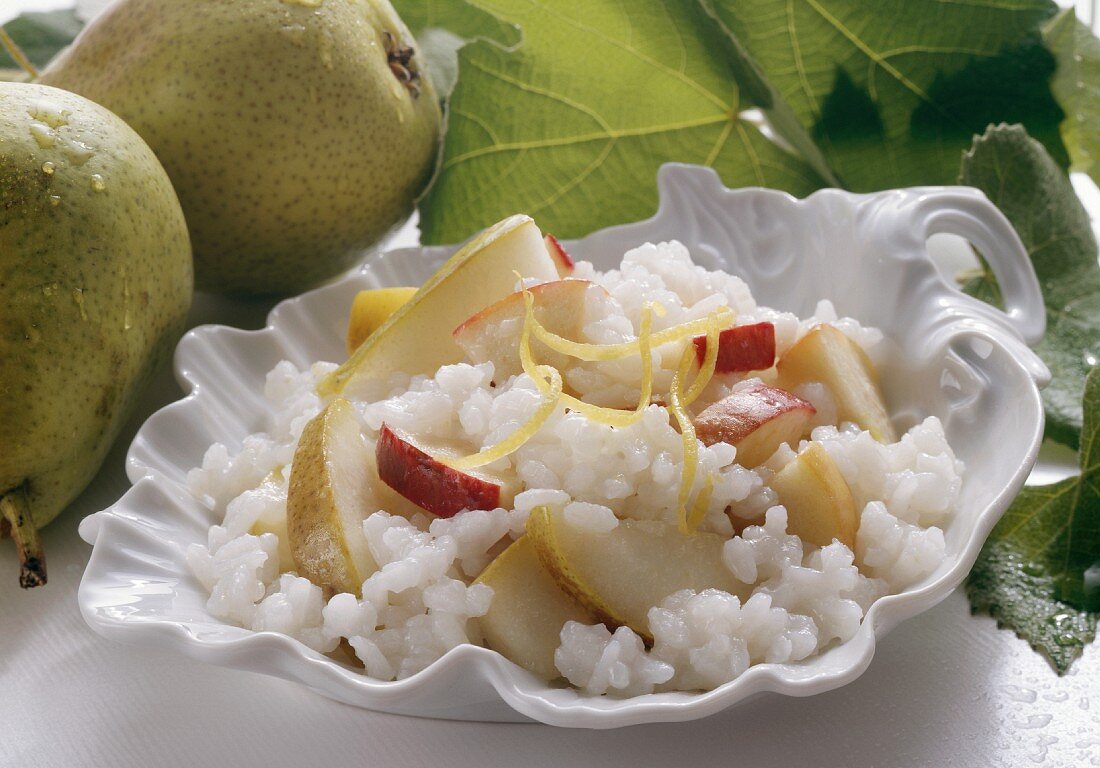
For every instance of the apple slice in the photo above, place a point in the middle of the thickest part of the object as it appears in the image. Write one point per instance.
(528, 610)
(757, 419)
(327, 499)
(827, 356)
(386, 498)
(493, 333)
(370, 309)
(424, 478)
(416, 338)
(819, 502)
(622, 573)
(562, 260)
(741, 348)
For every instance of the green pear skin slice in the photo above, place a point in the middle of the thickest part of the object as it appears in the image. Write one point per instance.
(819, 503)
(619, 575)
(416, 339)
(328, 497)
(528, 610)
(827, 356)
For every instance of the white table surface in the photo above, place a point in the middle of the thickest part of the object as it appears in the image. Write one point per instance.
(945, 689)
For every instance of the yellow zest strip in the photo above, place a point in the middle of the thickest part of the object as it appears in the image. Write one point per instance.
(516, 440)
(614, 417)
(701, 504)
(645, 349)
(710, 360)
(687, 434)
(549, 383)
(690, 520)
(595, 353)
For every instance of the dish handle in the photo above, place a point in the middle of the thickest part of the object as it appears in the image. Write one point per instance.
(968, 213)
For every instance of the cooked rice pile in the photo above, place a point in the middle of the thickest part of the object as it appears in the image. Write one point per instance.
(419, 605)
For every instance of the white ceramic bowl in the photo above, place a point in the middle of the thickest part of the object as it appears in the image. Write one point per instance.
(950, 356)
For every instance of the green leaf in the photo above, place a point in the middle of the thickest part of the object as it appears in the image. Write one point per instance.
(442, 27)
(573, 124)
(894, 90)
(41, 35)
(1039, 572)
(981, 283)
(1076, 86)
(460, 17)
(757, 91)
(1026, 184)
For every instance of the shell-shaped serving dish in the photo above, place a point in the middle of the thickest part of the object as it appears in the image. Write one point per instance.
(949, 355)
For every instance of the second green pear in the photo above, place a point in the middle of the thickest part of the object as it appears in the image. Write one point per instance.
(296, 132)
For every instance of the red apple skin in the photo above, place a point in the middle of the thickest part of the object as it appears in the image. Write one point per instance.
(428, 482)
(562, 260)
(757, 420)
(741, 348)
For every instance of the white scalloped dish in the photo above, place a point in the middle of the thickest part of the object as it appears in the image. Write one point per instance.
(949, 356)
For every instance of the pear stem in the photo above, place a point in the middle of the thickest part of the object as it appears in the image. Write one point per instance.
(32, 560)
(17, 54)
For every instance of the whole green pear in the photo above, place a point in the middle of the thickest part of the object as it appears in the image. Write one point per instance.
(296, 132)
(95, 284)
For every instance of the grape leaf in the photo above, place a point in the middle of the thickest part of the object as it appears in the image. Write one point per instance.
(1025, 183)
(41, 35)
(894, 90)
(457, 16)
(1076, 86)
(981, 284)
(1039, 572)
(442, 27)
(572, 125)
(757, 91)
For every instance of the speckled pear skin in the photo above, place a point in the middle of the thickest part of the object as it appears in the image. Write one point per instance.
(291, 143)
(95, 284)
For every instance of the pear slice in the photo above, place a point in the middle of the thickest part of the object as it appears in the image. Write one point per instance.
(819, 502)
(278, 528)
(276, 525)
(827, 356)
(328, 497)
(622, 573)
(416, 339)
(528, 610)
(370, 310)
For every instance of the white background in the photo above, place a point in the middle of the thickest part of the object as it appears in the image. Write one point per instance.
(945, 689)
